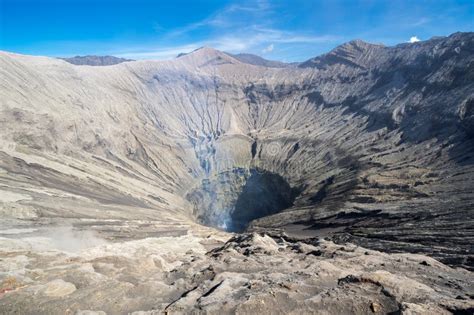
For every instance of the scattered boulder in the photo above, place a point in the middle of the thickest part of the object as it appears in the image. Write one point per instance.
(58, 288)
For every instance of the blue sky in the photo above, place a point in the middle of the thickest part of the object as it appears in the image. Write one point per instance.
(282, 30)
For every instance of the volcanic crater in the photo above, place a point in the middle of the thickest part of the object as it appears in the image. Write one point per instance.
(342, 183)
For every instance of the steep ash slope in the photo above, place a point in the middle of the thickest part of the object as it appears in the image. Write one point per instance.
(367, 143)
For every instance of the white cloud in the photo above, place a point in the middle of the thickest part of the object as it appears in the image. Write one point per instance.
(420, 21)
(414, 39)
(268, 49)
(231, 16)
(220, 26)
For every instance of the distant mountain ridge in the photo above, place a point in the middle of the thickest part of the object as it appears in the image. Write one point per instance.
(92, 60)
(260, 61)
(250, 59)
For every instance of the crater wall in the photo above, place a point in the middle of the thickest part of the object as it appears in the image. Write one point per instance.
(375, 140)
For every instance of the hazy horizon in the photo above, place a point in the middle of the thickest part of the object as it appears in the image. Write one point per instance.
(236, 53)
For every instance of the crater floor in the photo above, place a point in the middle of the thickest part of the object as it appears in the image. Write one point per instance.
(205, 184)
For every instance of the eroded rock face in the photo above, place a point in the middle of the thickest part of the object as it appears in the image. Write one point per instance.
(367, 144)
(466, 114)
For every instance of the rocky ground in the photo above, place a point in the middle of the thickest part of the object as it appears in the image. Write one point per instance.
(206, 271)
(120, 185)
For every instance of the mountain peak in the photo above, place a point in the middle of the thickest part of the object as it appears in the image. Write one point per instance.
(207, 55)
(356, 45)
(204, 50)
(355, 53)
(359, 43)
